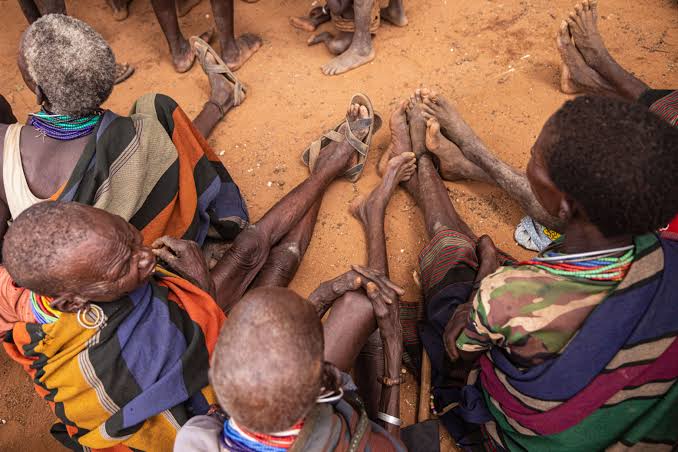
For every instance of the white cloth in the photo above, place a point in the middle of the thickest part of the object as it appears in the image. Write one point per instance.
(199, 434)
(19, 195)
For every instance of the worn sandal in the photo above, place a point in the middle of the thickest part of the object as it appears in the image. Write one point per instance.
(373, 122)
(201, 48)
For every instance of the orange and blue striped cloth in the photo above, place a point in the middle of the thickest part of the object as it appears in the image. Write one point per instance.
(156, 171)
(134, 381)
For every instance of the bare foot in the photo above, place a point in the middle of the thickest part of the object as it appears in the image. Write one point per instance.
(452, 124)
(184, 6)
(183, 56)
(584, 29)
(355, 56)
(415, 116)
(371, 209)
(335, 44)
(245, 46)
(119, 7)
(394, 14)
(400, 137)
(343, 153)
(221, 90)
(315, 18)
(453, 165)
(577, 76)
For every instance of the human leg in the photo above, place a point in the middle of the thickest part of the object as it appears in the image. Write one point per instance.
(285, 257)
(220, 102)
(394, 13)
(234, 273)
(119, 8)
(511, 180)
(583, 25)
(360, 51)
(362, 349)
(316, 17)
(235, 52)
(182, 54)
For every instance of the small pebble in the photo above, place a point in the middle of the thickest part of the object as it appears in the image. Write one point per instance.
(222, 153)
(269, 183)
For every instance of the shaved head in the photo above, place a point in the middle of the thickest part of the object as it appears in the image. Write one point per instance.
(268, 361)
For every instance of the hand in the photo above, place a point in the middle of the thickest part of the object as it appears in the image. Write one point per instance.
(385, 297)
(455, 326)
(185, 258)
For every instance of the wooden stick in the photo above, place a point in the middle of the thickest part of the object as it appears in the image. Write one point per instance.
(425, 388)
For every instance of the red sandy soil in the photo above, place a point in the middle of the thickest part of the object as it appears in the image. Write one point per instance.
(496, 59)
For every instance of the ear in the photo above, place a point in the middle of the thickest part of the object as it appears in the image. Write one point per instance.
(40, 97)
(331, 378)
(69, 303)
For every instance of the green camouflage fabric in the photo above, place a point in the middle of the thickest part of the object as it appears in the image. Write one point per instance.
(529, 312)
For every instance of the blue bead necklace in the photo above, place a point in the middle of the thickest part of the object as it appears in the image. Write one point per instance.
(64, 127)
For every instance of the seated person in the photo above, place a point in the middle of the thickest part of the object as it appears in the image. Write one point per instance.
(153, 168)
(267, 367)
(587, 67)
(121, 349)
(234, 51)
(356, 21)
(577, 347)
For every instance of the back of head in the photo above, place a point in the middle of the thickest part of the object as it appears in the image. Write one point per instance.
(267, 364)
(39, 243)
(70, 62)
(617, 160)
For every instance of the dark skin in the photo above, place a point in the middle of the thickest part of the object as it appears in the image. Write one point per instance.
(50, 162)
(234, 51)
(580, 235)
(588, 66)
(353, 49)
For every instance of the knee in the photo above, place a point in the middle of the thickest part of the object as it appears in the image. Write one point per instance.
(250, 249)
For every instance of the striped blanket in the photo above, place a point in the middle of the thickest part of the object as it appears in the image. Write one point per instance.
(156, 171)
(613, 386)
(130, 384)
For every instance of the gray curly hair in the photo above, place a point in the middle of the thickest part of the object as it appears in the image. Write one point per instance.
(70, 62)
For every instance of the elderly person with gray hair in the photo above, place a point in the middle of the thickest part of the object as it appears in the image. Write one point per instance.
(154, 168)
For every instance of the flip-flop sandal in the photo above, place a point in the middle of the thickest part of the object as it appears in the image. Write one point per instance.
(373, 122)
(201, 48)
(123, 71)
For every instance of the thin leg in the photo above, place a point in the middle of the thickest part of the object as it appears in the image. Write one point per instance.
(33, 11)
(583, 25)
(235, 52)
(511, 180)
(182, 55)
(285, 257)
(395, 13)
(237, 269)
(354, 312)
(360, 51)
(30, 10)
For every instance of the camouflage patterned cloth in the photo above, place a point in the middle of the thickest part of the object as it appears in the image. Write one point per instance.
(530, 313)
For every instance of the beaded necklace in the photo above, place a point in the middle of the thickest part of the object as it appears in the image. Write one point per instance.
(598, 266)
(63, 127)
(237, 439)
(42, 310)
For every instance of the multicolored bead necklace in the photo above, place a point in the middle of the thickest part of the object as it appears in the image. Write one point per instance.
(63, 127)
(237, 439)
(605, 265)
(42, 310)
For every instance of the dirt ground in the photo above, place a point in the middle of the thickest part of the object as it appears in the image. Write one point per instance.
(496, 59)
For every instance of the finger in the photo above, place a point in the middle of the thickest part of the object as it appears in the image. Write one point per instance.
(159, 242)
(164, 254)
(391, 285)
